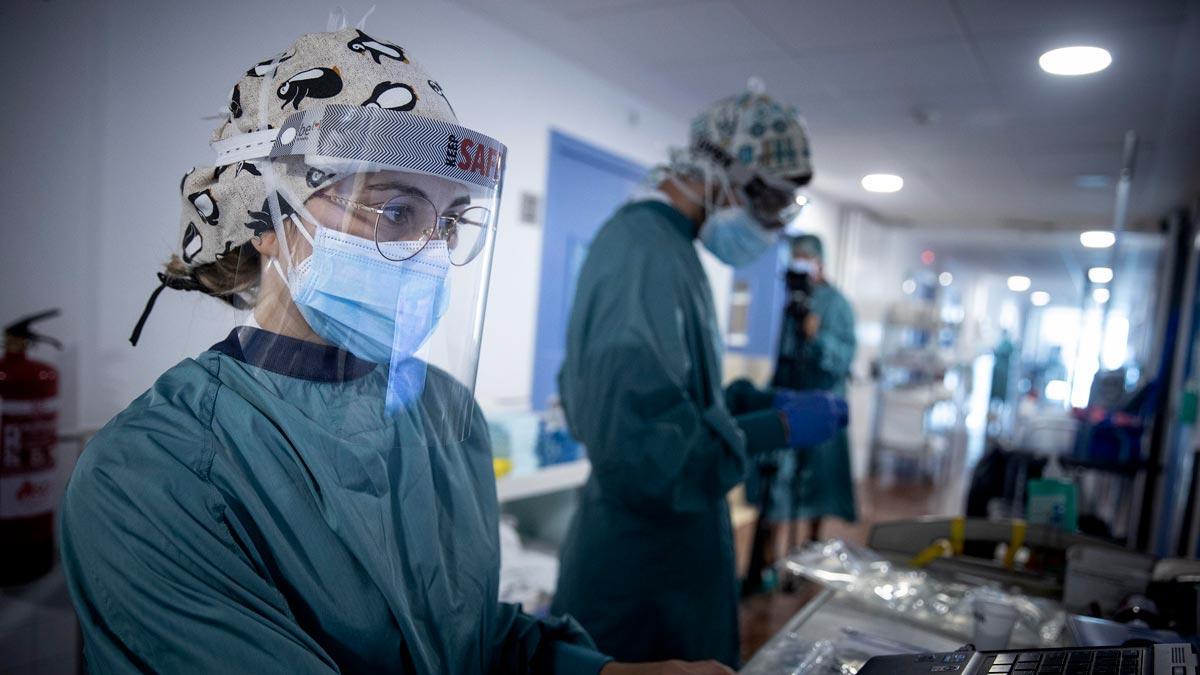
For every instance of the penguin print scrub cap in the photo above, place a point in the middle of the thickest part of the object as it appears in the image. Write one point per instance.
(225, 205)
(343, 140)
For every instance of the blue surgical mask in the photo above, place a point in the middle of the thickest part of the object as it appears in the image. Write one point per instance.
(380, 310)
(801, 266)
(735, 236)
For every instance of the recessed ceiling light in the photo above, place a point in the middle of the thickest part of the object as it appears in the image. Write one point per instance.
(1100, 295)
(1019, 283)
(882, 182)
(1100, 275)
(1039, 298)
(1097, 239)
(945, 278)
(1077, 60)
(801, 200)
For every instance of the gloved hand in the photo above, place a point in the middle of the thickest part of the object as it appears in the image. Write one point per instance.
(812, 416)
(839, 403)
(741, 397)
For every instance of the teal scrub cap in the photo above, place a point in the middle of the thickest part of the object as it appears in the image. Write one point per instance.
(808, 245)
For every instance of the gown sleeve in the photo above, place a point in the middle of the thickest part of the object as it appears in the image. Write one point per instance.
(556, 645)
(743, 397)
(628, 385)
(754, 413)
(159, 583)
(832, 351)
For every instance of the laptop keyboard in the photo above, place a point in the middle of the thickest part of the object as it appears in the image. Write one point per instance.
(1066, 662)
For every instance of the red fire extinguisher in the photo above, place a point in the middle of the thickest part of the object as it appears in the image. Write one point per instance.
(28, 436)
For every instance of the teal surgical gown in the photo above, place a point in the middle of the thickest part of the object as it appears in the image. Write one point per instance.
(648, 563)
(816, 482)
(256, 511)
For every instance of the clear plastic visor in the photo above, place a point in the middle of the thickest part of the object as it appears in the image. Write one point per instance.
(389, 257)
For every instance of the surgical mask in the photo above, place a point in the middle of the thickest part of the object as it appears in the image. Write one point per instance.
(734, 236)
(803, 267)
(377, 309)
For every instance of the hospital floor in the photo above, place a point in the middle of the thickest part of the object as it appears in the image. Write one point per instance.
(764, 615)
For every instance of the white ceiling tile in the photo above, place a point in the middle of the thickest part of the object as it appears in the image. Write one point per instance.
(580, 8)
(784, 77)
(852, 24)
(1064, 17)
(928, 66)
(700, 33)
(914, 72)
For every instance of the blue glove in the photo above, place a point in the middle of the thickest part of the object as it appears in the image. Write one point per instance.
(782, 396)
(812, 416)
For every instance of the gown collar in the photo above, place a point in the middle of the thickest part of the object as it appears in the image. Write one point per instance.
(292, 357)
(679, 222)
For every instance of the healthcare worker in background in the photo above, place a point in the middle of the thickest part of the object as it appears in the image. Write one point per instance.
(1004, 354)
(816, 348)
(648, 563)
(315, 493)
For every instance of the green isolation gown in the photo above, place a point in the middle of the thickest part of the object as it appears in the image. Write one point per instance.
(256, 511)
(648, 564)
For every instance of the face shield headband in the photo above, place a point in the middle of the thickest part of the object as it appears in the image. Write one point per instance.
(370, 138)
(772, 202)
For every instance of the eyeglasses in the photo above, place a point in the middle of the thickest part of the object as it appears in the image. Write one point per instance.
(413, 218)
(771, 204)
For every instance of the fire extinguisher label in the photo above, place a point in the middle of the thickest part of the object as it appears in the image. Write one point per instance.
(28, 435)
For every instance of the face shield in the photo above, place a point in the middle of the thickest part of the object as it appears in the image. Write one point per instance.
(385, 223)
(772, 201)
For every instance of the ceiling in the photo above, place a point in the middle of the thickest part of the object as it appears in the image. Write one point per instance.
(1054, 261)
(946, 93)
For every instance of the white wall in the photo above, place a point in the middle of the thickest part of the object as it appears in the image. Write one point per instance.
(106, 116)
(50, 147)
(874, 263)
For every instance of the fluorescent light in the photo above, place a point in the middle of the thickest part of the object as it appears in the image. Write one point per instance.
(909, 286)
(1078, 60)
(1097, 239)
(1100, 275)
(1100, 295)
(1039, 298)
(1019, 283)
(801, 200)
(945, 278)
(882, 182)
(1057, 390)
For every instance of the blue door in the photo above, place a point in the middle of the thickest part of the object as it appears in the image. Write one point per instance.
(585, 186)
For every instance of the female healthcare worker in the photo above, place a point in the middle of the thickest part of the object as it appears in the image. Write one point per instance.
(315, 494)
(648, 565)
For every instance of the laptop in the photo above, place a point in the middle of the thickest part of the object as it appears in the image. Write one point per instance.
(1163, 659)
